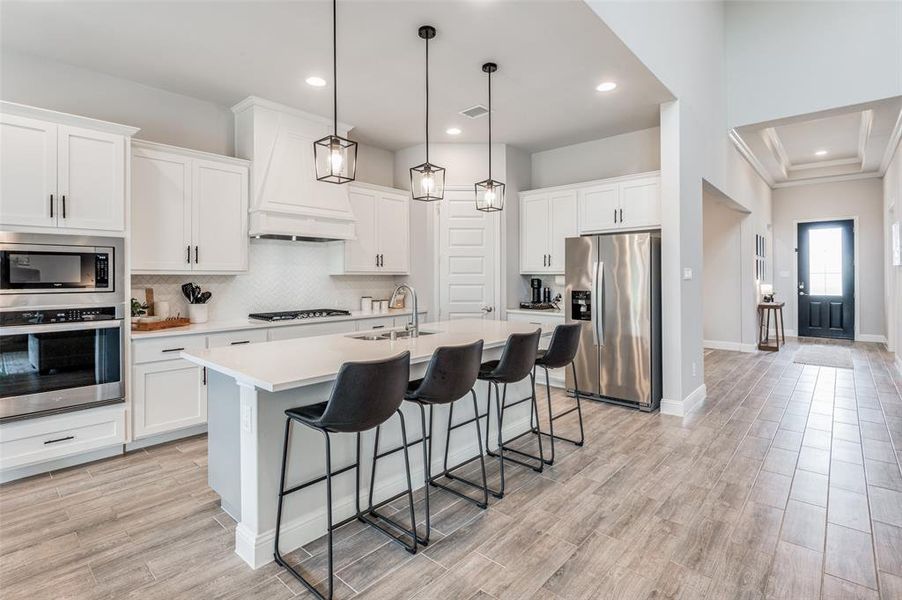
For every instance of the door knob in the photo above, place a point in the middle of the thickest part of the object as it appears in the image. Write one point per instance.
(488, 309)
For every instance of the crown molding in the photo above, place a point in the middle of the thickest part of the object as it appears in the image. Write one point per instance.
(775, 145)
(832, 178)
(838, 162)
(750, 157)
(892, 145)
(864, 133)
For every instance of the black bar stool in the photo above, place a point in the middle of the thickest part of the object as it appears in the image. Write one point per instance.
(517, 362)
(451, 374)
(365, 395)
(560, 353)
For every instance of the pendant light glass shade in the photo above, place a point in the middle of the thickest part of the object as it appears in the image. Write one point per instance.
(427, 181)
(335, 157)
(489, 192)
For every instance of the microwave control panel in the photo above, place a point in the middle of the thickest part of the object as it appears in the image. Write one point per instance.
(62, 315)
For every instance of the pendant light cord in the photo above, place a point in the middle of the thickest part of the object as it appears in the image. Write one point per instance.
(490, 125)
(427, 99)
(335, 67)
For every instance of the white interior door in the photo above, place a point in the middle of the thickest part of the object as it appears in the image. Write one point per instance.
(27, 172)
(219, 221)
(468, 258)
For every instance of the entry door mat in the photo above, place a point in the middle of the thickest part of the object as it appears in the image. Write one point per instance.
(824, 355)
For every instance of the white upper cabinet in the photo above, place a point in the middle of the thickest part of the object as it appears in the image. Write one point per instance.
(189, 211)
(286, 199)
(61, 172)
(27, 172)
(625, 203)
(91, 182)
(382, 243)
(546, 220)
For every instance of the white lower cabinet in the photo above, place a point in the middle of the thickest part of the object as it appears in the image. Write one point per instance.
(168, 396)
(34, 441)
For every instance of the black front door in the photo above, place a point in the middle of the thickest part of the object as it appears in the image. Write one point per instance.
(827, 279)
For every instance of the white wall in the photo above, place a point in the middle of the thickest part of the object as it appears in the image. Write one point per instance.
(791, 58)
(681, 43)
(861, 198)
(633, 152)
(375, 165)
(892, 207)
(722, 286)
(162, 116)
(518, 174)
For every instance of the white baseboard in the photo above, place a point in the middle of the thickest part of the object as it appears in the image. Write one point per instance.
(257, 550)
(680, 408)
(730, 346)
(870, 337)
(60, 463)
(899, 362)
(166, 437)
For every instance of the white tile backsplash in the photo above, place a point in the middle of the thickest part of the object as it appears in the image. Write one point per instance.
(281, 276)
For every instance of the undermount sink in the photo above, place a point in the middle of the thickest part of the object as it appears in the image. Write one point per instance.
(386, 335)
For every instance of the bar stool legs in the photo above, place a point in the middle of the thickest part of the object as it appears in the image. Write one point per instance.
(367, 516)
(553, 417)
(501, 404)
(448, 472)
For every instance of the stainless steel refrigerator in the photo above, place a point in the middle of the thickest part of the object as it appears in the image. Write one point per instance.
(613, 287)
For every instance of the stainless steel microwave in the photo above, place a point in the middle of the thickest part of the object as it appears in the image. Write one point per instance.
(56, 270)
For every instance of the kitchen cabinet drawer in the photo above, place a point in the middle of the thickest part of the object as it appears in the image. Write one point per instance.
(380, 323)
(152, 350)
(38, 440)
(168, 396)
(546, 322)
(299, 331)
(236, 338)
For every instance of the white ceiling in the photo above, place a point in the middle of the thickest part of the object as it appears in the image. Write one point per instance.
(856, 140)
(551, 55)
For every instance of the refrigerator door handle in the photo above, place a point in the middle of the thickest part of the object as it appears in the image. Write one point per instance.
(598, 302)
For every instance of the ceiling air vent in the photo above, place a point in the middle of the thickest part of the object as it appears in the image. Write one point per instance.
(474, 112)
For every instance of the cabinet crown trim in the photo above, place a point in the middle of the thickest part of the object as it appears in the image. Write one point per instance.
(256, 101)
(584, 184)
(189, 152)
(61, 118)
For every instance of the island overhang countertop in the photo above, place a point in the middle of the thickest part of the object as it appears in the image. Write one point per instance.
(286, 364)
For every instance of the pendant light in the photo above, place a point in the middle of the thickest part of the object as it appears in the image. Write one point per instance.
(335, 157)
(427, 181)
(490, 193)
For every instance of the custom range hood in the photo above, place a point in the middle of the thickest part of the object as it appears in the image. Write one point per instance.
(287, 202)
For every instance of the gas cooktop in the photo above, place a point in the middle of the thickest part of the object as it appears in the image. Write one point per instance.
(299, 314)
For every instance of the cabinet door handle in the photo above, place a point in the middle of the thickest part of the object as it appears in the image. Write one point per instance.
(239, 343)
(62, 439)
(173, 349)
(51, 206)
(621, 215)
(204, 375)
(378, 326)
(377, 260)
(64, 206)
(189, 254)
(615, 215)
(196, 254)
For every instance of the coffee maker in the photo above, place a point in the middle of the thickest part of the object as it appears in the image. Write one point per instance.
(536, 284)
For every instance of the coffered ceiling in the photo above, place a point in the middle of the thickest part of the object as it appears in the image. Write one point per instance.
(844, 143)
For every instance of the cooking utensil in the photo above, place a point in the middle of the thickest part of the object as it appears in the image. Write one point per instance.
(188, 291)
(204, 297)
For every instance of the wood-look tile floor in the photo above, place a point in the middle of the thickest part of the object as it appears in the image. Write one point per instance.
(785, 484)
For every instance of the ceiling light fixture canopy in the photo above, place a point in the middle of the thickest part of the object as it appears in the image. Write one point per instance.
(489, 192)
(335, 157)
(427, 181)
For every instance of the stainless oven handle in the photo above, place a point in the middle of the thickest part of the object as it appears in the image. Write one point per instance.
(54, 327)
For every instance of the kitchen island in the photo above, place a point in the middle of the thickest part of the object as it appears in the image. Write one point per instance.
(251, 386)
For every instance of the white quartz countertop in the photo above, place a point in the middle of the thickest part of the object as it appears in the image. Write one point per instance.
(286, 364)
(241, 324)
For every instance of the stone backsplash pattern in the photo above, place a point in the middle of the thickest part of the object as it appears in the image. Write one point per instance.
(281, 276)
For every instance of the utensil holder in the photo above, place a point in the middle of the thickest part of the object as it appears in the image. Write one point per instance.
(197, 313)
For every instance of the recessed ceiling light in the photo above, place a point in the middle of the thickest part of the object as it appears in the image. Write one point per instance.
(453, 131)
(315, 81)
(606, 86)
(821, 153)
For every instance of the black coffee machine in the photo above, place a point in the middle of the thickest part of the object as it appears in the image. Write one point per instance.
(536, 284)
